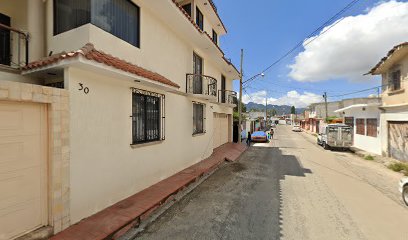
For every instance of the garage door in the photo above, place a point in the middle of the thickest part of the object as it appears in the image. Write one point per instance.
(398, 140)
(22, 168)
(221, 129)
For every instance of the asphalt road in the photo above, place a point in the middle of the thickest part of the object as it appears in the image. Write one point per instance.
(289, 188)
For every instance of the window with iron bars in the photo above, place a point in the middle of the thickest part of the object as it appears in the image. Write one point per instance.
(148, 116)
(198, 118)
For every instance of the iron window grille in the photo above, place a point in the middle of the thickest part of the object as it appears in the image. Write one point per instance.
(199, 118)
(148, 116)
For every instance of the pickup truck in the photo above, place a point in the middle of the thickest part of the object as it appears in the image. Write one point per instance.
(335, 136)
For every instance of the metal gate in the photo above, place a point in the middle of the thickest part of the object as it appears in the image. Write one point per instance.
(398, 140)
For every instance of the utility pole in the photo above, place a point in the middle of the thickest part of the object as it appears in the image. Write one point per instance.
(325, 104)
(266, 110)
(240, 99)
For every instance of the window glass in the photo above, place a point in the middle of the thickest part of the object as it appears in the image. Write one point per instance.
(187, 8)
(198, 118)
(215, 37)
(120, 17)
(70, 14)
(147, 122)
(199, 19)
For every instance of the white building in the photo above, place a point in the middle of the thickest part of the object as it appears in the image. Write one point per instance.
(365, 120)
(393, 69)
(108, 105)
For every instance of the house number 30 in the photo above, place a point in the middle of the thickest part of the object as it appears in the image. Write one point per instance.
(82, 88)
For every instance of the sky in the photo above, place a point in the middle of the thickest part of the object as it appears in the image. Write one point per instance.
(333, 60)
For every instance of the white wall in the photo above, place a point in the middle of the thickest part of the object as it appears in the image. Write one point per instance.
(366, 143)
(104, 167)
(161, 50)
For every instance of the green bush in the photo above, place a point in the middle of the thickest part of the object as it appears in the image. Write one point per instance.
(399, 167)
(368, 157)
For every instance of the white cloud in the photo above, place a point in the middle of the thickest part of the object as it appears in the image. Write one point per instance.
(292, 98)
(353, 46)
(257, 97)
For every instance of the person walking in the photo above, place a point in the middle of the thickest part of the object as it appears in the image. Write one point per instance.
(248, 141)
(271, 133)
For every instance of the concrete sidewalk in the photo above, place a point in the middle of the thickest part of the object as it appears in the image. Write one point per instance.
(115, 220)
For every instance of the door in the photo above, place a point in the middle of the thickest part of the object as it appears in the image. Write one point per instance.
(23, 202)
(221, 129)
(198, 72)
(223, 100)
(398, 140)
(5, 41)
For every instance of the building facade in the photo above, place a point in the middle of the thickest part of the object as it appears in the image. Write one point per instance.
(365, 120)
(125, 93)
(393, 69)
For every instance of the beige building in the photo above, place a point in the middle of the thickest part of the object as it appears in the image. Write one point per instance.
(102, 99)
(393, 69)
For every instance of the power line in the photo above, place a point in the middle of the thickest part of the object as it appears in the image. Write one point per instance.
(360, 91)
(350, 5)
(365, 90)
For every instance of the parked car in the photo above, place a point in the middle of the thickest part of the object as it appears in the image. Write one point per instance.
(273, 125)
(259, 136)
(403, 188)
(296, 128)
(335, 136)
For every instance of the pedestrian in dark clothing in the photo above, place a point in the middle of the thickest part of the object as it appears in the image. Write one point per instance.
(248, 141)
(271, 133)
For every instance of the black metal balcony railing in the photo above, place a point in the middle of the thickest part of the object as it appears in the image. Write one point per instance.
(13, 47)
(227, 96)
(201, 84)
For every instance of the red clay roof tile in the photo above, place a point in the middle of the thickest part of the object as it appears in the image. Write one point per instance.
(90, 53)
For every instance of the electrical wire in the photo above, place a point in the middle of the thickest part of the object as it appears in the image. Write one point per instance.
(309, 37)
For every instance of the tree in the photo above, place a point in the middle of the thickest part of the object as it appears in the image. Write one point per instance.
(273, 112)
(243, 107)
(293, 110)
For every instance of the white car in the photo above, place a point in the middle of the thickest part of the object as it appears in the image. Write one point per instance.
(403, 188)
(296, 128)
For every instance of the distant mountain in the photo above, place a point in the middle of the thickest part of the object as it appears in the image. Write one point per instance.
(280, 109)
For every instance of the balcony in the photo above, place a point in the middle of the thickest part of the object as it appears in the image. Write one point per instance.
(201, 86)
(13, 47)
(227, 98)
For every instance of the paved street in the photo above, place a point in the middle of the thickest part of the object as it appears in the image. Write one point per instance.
(290, 189)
